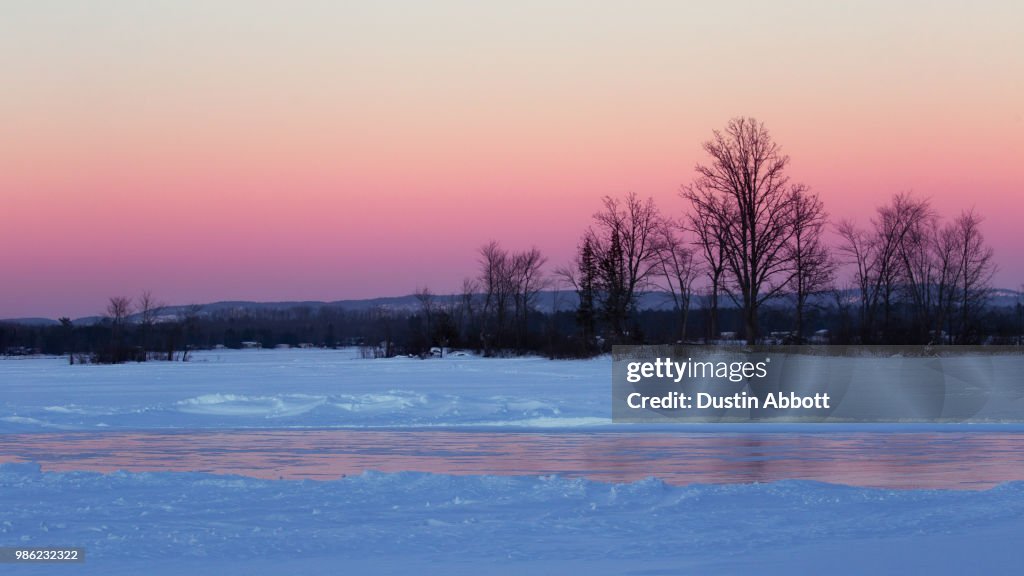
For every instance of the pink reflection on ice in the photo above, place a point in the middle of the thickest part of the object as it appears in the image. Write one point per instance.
(906, 460)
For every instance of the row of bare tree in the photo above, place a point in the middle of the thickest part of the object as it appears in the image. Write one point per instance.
(750, 232)
(943, 270)
(755, 235)
(509, 282)
(750, 235)
(151, 337)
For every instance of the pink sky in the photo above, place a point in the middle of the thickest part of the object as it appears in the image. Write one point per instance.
(265, 151)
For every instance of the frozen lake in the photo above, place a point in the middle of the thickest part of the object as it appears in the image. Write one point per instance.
(916, 460)
(324, 414)
(301, 461)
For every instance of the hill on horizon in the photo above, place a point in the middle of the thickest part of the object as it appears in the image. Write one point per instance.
(546, 301)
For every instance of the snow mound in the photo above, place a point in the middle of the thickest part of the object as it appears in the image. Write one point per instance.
(241, 405)
(393, 400)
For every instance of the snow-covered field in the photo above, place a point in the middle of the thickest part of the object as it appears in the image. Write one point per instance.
(309, 388)
(410, 522)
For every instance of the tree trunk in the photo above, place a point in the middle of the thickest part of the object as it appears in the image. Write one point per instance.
(799, 319)
(750, 314)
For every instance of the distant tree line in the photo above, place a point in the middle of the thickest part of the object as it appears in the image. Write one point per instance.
(453, 323)
(748, 260)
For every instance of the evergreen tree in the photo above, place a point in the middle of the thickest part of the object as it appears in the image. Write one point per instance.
(585, 316)
(613, 279)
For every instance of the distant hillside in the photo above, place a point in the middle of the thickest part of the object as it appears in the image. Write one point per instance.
(545, 302)
(30, 321)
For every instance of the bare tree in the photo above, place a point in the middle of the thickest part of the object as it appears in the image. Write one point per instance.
(858, 250)
(148, 312)
(712, 249)
(118, 310)
(466, 308)
(894, 228)
(812, 266)
(624, 240)
(977, 268)
(426, 301)
(494, 280)
(747, 195)
(677, 269)
(878, 257)
(527, 280)
(946, 269)
(511, 282)
(921, 272)
(189, 321)
(149, 308)
(947, 279)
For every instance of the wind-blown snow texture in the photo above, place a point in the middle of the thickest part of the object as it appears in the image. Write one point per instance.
(288, 388)
(169, 522)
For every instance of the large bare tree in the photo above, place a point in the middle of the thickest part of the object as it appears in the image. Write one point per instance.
(745, 191)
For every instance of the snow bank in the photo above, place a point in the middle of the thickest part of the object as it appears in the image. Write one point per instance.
(164, 523)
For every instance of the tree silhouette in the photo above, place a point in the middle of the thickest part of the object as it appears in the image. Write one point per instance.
(744, 194)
